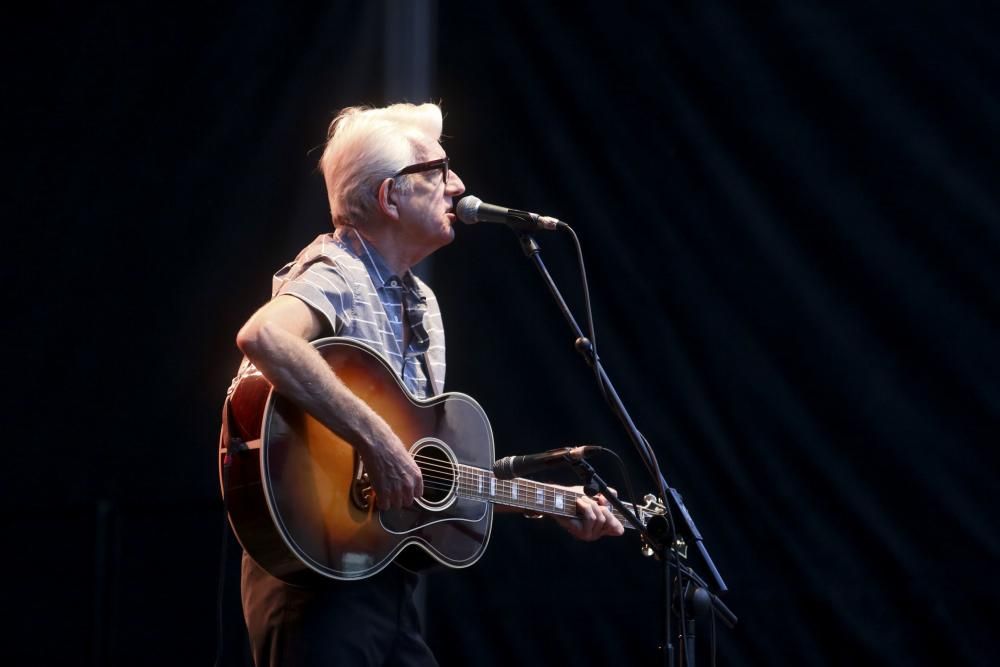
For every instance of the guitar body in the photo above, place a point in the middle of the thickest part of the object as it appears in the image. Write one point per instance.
(299, 502)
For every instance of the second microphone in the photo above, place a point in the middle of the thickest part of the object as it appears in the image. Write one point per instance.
(510, 467)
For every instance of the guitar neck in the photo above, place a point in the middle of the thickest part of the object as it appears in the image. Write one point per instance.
(525, 494)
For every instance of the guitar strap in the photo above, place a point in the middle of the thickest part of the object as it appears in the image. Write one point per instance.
(430, 375)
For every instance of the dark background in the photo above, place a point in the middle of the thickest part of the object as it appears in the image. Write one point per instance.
(790, 221)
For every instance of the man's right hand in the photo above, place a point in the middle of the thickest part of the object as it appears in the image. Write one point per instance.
(393, 473)
(275, 340)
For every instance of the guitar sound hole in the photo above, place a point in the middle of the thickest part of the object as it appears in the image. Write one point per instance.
(438, 470)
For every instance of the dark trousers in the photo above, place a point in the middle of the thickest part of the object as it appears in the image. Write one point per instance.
(369, 622)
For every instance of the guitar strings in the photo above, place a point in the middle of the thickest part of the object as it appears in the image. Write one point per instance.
(529, 500)
(469, 478)
(505, 490)
(467, 490)
(569, 509)
(467, 474)
(433, 464)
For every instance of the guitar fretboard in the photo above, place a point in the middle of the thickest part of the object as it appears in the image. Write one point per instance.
(529, 495)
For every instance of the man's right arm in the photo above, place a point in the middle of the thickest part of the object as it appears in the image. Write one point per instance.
(276, 340)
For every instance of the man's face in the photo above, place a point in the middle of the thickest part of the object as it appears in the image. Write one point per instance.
(427, 211)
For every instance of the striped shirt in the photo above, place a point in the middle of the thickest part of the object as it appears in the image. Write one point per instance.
(346, 281)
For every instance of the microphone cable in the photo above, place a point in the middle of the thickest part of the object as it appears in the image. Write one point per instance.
(587, 309)
(647, 455)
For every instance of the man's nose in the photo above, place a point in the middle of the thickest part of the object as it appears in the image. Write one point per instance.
(455, 185)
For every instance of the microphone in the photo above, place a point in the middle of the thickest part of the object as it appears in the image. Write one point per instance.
(472, 209)
(510, 467)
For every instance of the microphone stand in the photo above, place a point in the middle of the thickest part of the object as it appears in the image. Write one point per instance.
(662, 538)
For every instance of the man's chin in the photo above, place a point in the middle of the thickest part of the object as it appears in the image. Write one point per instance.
(449, 235)
(444, 238)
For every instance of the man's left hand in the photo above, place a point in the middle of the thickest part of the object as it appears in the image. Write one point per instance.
(594, 521)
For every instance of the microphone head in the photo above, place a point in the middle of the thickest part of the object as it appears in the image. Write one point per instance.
(468, 209)
(503, 468)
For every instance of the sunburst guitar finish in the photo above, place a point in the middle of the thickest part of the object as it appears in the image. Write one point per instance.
(297, 496)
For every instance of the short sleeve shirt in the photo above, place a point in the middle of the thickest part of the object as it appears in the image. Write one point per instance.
(345, 280)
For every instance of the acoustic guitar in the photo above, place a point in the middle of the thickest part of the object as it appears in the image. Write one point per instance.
(300, 502)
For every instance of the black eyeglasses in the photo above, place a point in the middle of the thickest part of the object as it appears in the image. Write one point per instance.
(441, 164)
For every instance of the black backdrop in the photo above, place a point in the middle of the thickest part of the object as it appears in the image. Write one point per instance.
(791, 227)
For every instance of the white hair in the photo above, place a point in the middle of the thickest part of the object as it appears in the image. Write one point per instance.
(367, 145)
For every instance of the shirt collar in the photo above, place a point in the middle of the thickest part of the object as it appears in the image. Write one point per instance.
(379, 271)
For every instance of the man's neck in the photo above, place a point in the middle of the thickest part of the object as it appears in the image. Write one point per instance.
(395, 252)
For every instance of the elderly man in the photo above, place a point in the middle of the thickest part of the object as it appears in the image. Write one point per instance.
(392, 196)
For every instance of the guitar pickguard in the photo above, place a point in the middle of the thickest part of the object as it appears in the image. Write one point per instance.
(407, 520)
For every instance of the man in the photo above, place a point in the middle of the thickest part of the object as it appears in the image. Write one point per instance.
(392, 196)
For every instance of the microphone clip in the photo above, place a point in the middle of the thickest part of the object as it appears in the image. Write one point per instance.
(586, 473)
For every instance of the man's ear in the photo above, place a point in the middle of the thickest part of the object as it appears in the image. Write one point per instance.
(388, 195)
